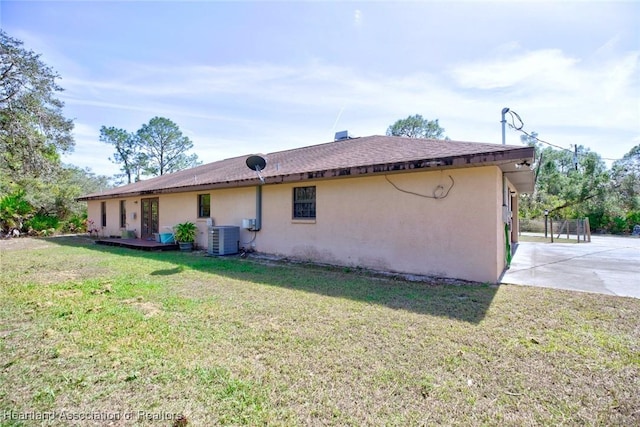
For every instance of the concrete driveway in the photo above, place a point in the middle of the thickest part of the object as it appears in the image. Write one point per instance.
(607, 265)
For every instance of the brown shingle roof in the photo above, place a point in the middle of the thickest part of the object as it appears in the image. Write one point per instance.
(355, 156)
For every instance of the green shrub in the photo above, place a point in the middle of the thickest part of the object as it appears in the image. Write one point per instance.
(14, 210)
(186, 232)
(618, 225)
(75, 224)
(43, 222)
(633, 218)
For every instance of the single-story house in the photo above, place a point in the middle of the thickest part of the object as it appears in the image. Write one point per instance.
(424, 207)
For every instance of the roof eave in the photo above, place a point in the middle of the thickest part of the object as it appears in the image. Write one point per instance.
(499, 158)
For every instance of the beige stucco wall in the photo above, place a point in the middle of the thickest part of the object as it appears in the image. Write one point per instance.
(363, 221)
(367, 222)
(113, 216)
(228, 207)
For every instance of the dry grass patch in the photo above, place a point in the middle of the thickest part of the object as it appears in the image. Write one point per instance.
(542, 239)
(232, 342)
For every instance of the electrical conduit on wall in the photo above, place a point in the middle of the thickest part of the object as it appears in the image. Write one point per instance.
(507, 245)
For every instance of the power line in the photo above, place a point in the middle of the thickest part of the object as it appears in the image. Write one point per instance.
(541, 140)
(520, 127)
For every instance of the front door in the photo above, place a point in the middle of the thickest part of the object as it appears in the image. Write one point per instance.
(150, 219)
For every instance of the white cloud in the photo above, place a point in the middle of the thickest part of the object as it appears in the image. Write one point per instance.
(357, 18)
(261, 107)
(564, 90)
(542, 68)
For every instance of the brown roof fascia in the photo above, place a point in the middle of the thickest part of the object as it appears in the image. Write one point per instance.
(466, 160)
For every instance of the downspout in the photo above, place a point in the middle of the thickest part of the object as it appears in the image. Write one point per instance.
(258, 208)
(257, 163)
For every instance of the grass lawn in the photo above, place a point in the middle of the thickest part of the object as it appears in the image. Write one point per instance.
(92, 334)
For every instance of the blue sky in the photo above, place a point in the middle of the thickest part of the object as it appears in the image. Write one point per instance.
(257, 77)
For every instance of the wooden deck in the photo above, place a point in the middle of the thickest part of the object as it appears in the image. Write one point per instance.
(142, 244)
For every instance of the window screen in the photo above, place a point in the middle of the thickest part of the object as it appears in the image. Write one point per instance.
(204, 205)
(304, 202)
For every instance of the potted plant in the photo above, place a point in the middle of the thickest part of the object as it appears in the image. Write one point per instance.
(185, 235)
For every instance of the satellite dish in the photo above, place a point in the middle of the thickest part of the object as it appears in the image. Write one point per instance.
(257, 163)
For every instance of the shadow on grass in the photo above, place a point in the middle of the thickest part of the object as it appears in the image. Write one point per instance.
(461, 301)
(168, 271)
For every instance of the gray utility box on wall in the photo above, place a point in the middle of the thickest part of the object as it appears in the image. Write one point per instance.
(224, 240)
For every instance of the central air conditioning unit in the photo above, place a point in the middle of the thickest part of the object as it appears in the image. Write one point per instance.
(224, 240)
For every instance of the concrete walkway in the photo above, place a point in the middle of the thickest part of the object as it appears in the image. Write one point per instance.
(607, 265)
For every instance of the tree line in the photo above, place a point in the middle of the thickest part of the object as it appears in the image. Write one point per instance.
(38, 191)
(568, 184)
(578, 184)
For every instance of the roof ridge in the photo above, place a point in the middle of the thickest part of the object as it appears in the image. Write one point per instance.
(344, 141)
